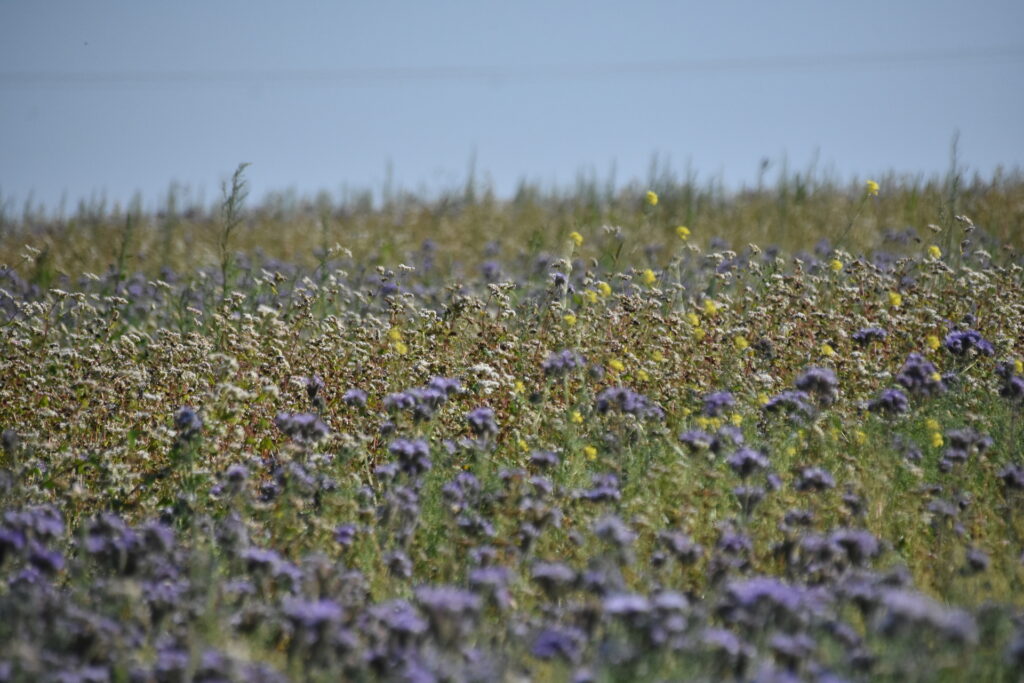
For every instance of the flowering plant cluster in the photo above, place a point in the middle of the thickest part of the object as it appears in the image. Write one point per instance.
(651, 452)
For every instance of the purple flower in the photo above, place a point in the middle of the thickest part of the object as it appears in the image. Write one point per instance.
(868, 335)
(446, 385)
(565, 643)
(628, 401)
(1013, 388)
(481, 422)
(554, 578)
(890, 402)
(562, 362)
(187, 422)
(790, 402)
(345, 534)
(1013, 477)
(920, 377)
(960, 342)
(746, 461)
(413, 455)
(314, 385)
(302, 427)
(696, 440)
(716, 403)
(544, 459)
(814, 479)
(354, 397)
(821, 383)
(613, 530)
(907, 613)
(681, 546)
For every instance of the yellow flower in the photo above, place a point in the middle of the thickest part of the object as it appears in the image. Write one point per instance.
(933, 342)
(616, 365)
(401, 348)
(683, 232)
(736, 419)
(652, 198)
(895, 299)
(827, 350)
(836, 265)
(703, 422)
(1018, 367)
(657, 356)
(936, 377)
(604, 288)
(693, 319)
(590, 452)
(936, 440)
(395, 334)
(860, 437)
(577, 417)
(762, 398)
(523, 446)
(520, 388)
(699, 333)
(569, 319)
(934, 251)
(710, 307)
(791, 451)
(648, 277)
(740, 342)
(590, 295)
(872, 188)
(932, 425)
(576, 238)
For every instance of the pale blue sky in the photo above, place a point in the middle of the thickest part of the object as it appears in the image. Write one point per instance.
(116, 97)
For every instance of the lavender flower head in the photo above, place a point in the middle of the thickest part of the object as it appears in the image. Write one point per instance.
(302, 427)
(715, 404)
(746, 461)
(562, 362)
(920, 376)
(820, 383)
(960, 342)
(187, 422)
(889, 402)
(481, 422)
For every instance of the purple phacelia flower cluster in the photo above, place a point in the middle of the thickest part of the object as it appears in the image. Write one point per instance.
(961, 342)
(625, 400)
(302, 427)
(562, 362)
(920, 377)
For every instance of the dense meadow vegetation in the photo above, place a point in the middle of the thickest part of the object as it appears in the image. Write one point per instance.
(660, 433)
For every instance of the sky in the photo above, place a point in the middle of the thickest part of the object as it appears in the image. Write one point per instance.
(106, 99)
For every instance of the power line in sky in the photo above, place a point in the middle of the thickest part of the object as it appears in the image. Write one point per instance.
(499, 74)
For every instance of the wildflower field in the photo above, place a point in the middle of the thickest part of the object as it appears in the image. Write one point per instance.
(660, 433)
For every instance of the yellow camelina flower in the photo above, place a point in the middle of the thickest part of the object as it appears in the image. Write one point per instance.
(860, 437)
(520, 388)
(740, 342)
(683, 232)
(872, 188)
(577, 417)
(933, 342)
(693, 319)
(827, 350)
(699, 333)
(933, 425)
(1018, 366)
(736, 419)
(836, 265)
(576, 238)
(642, 375)
(648, 277)
(604, 288)
(395, 334)
(895, 299)
(710, 307)
(616, 365)
(934, 251)
(569, 319)
(652, 198)
(400, 348)
(657, 356)
(590, 452)
(936, 440)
